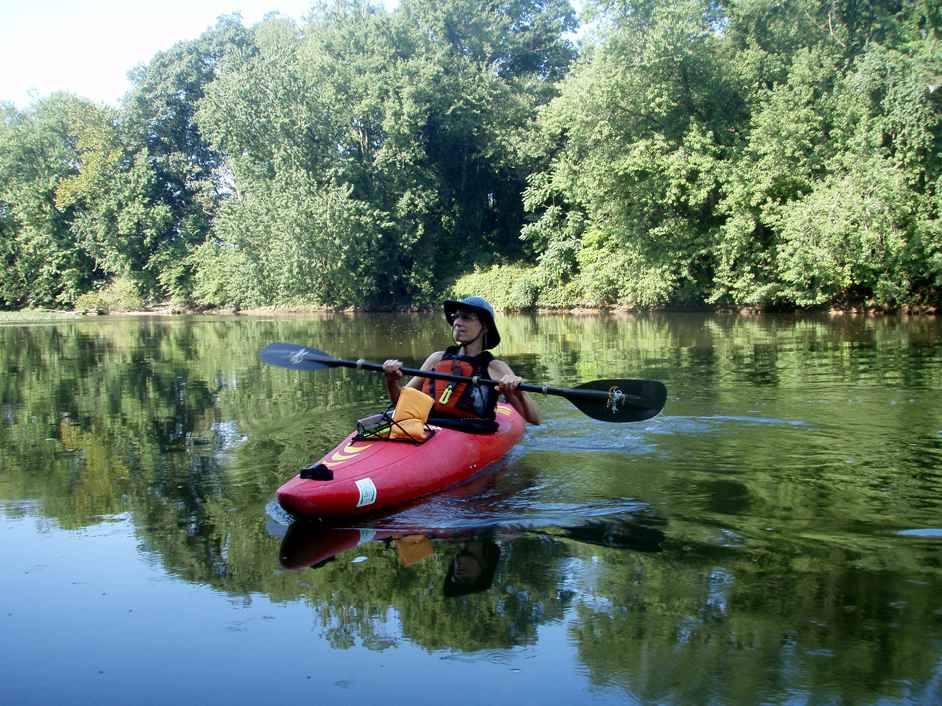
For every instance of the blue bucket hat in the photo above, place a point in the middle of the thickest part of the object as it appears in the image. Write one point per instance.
(483, 309)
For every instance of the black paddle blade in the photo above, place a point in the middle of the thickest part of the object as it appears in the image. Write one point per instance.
(291, 355)
(623, 401)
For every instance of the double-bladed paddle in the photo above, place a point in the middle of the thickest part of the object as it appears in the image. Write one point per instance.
(607, 400)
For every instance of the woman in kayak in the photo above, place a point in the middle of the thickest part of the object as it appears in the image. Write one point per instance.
(474, 332)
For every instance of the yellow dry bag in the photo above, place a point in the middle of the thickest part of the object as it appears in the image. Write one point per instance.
(410, 415)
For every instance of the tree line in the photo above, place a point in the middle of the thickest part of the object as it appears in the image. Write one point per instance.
(685, 153)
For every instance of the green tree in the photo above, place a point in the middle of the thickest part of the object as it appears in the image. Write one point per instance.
(637, 140)
(496, 64)
(159, 118)
(297, 218)
(834, 197)
(412, 121)
(775, 154)
(114, 219)
(45, 264)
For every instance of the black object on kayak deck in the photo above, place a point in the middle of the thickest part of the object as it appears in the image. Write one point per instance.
(317, 471)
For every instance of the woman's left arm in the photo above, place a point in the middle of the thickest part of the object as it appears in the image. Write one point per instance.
(518, 399)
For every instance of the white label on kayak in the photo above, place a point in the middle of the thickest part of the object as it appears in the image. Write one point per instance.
(367, 492)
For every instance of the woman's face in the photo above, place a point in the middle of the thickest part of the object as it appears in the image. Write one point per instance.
(466, 326)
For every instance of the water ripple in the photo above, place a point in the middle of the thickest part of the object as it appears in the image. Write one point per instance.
(924, 533)
(443, 513)
(702, 424)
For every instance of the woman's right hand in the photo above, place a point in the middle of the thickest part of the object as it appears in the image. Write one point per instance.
(393, 368)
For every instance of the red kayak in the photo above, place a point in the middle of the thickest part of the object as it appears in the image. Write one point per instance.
(373, 474)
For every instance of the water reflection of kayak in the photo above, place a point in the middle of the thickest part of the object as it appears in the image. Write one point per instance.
(313, 544)
(369, 475)
(473, 559)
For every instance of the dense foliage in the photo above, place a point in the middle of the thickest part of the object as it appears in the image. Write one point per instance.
(730, 152)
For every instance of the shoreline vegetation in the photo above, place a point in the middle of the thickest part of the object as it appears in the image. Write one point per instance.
(771, 155)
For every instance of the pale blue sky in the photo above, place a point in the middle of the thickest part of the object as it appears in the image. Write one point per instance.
(87, 47)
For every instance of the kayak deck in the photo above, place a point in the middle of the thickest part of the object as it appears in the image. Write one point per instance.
(373, 474)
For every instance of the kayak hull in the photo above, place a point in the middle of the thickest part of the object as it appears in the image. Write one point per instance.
(373, 475)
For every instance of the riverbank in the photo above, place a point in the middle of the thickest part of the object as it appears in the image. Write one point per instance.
(29, 315)
(26, 315)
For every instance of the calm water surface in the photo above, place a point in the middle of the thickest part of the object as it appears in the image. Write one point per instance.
(775, 536)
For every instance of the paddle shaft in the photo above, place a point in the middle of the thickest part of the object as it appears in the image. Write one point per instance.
(566, 392)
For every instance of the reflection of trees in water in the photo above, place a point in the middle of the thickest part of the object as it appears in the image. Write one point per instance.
(147, 407)
(688, 625)
(177, 423)
(357, 600)
(734, 633)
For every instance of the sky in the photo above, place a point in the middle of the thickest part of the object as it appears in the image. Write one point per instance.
(87, 47)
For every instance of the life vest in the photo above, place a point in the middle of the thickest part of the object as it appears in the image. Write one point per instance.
(462, 399)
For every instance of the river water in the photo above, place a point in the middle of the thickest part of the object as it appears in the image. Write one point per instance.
(774, 536)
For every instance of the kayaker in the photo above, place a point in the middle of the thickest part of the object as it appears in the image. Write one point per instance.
(474, 333)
